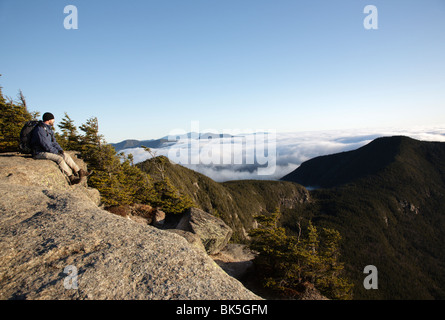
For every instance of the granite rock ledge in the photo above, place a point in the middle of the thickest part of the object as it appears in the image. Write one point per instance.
(46, 225)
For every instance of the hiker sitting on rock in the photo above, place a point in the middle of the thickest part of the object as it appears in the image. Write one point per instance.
(45, 146)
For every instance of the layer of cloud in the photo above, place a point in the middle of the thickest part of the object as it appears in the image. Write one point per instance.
(242, 157)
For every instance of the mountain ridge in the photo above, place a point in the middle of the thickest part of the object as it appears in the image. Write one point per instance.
(132, 143)
(385, 198)
(236, 202)
(157, 143)
(390, 215)
(382, 151)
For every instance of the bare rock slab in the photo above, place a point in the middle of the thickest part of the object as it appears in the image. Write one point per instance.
(49, 229)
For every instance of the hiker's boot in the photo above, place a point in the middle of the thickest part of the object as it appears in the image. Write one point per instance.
(82, 173)
(74, 179)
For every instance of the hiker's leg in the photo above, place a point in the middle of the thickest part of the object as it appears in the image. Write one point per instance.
(56, 158)
(70, 162)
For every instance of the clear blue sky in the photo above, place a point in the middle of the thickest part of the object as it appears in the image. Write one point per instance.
(147, 67)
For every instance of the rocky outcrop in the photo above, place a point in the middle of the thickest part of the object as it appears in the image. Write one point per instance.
(198, 227)
(52, 233)
(24, 171)
(212, 231)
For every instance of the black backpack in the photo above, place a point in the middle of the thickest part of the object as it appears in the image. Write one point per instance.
(25, 136)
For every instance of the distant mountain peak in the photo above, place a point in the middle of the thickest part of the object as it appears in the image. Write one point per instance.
(341, 168)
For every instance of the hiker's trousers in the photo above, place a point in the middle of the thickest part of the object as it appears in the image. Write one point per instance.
(65, 162)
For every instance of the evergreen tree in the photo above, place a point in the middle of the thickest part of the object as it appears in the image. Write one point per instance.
(330, 280)
(91, 137)
(114, 175)
(13, 116)
(69, 139)
(287, 262)
(169, 198)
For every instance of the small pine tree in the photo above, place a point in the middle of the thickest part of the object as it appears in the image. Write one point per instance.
(69, 139)
(286, 262)
(270, 241)
(91, 137)
(114, 175)
(13, 116)
(330, 280)
(169, 198)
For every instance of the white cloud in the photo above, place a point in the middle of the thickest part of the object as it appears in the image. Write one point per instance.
(224, 159)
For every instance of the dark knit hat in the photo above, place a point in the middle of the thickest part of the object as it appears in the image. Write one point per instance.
(47, 116)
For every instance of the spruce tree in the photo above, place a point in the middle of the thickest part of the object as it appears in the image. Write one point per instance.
(169, 198)
(287, 263)
(69, 139)
(13, 116)
(114, 175)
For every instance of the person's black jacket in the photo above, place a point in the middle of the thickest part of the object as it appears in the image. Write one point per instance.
(43, 140)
